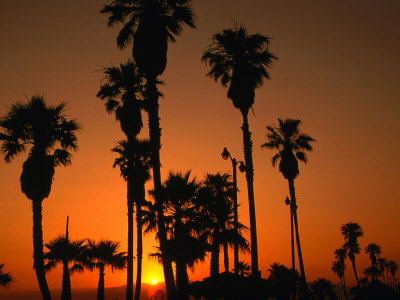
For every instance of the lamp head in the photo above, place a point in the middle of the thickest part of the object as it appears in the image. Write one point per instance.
(225, 154)
(242, 167)
(287, 201)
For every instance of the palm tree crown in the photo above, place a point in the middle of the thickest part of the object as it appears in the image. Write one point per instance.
(374, 251)
(6, 279)
(351, 232)
(241, 60)
(150, 24)
(291, 145)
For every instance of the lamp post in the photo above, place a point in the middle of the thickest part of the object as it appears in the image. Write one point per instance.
(288, 202)
(225, 155)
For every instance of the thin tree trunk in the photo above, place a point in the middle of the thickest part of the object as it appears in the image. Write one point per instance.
(38, 256)
(248, 158)
(155, 140)
(214, 262)
(100, 285)
(296, 227)
(129, 268)
(353, 263)
(139, 251)
(235, 219)
(226, 258)
(66, 283)
(182, 281)
(344, 288)
(292, 237)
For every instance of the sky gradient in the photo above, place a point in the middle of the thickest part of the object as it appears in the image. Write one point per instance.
(337, 72)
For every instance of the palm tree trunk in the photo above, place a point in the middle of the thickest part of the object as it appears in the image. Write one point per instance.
(248, 159)
(226, 258)
(155, 140)
(66, 283)
(214, 262)
(353, 263)
(292, 237)
(38, 256)
(344, 287)
(182, 281)
(100, 285)
(235, 219)
(129, 260)
(139, 246)
(296, 227)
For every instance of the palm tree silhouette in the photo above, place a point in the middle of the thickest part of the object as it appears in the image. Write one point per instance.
(241, 60)
(323, 289)
(374, 251)
(283, 281)
(103, 254)
(339, 267)
(392, 267)
(216, 200)
(291, 145)
(6, 279)
(351, 232)
(123, 94)
(151, 24)
(64, 251)
(50, 138)
(243, 269)
(134, 164)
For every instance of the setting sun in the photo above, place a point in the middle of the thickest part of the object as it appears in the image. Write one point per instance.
(154, 281)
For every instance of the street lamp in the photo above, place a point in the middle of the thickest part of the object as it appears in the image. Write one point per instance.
(242, 167)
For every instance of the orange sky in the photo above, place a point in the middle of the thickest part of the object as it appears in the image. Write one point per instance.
(337, 72)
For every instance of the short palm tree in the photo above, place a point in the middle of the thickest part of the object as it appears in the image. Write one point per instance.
(216, 201)
(103, 254)
(339, 267)
(122, 90)
(283, 281)
(351, 233)
(134, 164)
(374, 251)
(5, 278)
(64, 251)
(291, 145)
(392, 268)
(151, 24)
(243, 269)
(50, 138)
(240, 60)
(323, 289)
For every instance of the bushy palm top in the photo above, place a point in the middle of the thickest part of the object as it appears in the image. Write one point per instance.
(240, 60)
(105, 253)
(351, 232)
(374, 251)
(291, 145)
(5, 278)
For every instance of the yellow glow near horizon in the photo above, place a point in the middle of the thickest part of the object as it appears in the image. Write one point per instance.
(154, 281)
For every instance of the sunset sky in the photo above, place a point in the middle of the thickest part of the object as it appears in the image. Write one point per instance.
(338, 71)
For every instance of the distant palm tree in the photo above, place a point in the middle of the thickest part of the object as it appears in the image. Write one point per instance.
(240, 60)
(51, 138)
(381, 265)
(323, 289)
(283, 281)
(151, 24)
(216, 200)
(243, 269)
(393, 268)
(103, 254)
(6, 279)
(351, 232)
(374, 251)
(123, 94)
(291, 145)
(339, 267)
(64, 251)
(134, 164)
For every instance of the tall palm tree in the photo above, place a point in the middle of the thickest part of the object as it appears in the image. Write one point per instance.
(151, 25)
(339, 266)
(291, 145)
(216, 200)
(134, 164)
(351, 233)
(5, 278)
(50, 138)
(64, 251)
(103, 254)
(122, 90)
(240, 60)
(374, 251)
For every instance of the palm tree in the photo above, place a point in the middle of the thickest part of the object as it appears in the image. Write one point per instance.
(323, 288)
(134, 164)
(123, 95)
(5, 278)
(216, 200)
(393, 267)
(243, 269)
(339, 266)
(374, 251)
(64, 251)
(151, 24)
(103, 254)
(291, 145)
(283, 281)
(50, 138)
(241, 60)
(351, 232)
